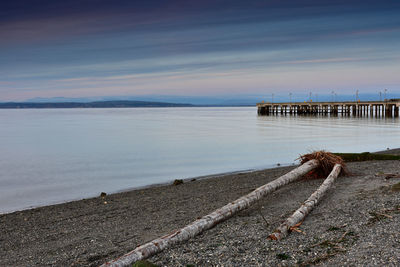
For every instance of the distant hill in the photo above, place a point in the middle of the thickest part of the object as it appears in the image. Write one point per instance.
(222, 100)
(95, 104)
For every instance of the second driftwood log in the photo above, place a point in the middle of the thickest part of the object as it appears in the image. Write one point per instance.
(299, 215)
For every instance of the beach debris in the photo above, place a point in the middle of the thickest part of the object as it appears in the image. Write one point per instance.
(336, 228)
(378, 216)
(382, 214)
(326, 161)
(177, 182)
(103, 194)
(262, 216)
(210, 220)
(282, 256)
(294, 221)
(343, 236)
(388, 176)
(333, 246)
(330, 244)
(396, 187)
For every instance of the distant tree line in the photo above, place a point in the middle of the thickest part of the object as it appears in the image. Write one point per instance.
(96, 104)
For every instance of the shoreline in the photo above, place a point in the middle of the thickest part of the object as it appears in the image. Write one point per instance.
(169, 182)
(160, 184)
(201, 177)
(91, 231)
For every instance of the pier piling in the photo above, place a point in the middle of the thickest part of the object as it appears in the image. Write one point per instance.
(386, 108)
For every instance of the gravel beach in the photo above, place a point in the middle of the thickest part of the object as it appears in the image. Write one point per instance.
(355, 224)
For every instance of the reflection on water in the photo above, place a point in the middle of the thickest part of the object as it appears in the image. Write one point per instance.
(54, 155)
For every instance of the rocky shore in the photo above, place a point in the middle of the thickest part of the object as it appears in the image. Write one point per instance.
(355, 224)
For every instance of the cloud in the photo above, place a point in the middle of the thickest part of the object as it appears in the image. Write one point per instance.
(196, 46)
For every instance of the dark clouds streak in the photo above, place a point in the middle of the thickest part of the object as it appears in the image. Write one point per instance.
(48, 19)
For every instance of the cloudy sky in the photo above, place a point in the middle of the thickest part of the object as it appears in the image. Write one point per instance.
(87, 48)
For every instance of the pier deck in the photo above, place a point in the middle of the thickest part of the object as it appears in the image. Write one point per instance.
(386, 108)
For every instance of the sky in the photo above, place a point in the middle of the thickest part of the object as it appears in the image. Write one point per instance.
(96, 48)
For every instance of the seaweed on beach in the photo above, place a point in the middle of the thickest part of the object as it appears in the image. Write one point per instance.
(326, 161)
(352, 157)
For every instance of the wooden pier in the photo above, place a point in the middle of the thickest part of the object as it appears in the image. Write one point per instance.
(386, 108)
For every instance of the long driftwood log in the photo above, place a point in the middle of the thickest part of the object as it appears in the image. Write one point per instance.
(208, 221)
(308, 205)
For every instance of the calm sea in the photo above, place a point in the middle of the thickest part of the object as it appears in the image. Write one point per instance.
(55, 155)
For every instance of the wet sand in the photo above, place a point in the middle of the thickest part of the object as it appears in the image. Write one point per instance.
(92, 231)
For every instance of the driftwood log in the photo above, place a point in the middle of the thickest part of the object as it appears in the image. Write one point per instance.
(210, 220)
(299, 215)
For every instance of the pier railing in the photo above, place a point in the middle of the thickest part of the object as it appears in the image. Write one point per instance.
(386, 108)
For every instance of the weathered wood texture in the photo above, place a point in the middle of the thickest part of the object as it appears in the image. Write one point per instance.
(308, 205)
(210, 220)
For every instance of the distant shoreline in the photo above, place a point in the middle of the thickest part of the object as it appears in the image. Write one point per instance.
(95, 104)
(103, 104)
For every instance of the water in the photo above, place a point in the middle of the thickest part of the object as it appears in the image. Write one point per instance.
(55, 155)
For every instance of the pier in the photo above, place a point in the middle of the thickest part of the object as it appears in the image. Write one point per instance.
(385, 108)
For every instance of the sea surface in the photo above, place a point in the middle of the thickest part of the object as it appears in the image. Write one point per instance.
(51, 156)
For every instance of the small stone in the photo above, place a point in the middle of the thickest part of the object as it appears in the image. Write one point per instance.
(178, 182)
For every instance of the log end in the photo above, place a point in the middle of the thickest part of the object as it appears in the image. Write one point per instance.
(275, 235)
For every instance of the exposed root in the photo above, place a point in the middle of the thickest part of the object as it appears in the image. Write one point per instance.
(327, 161)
